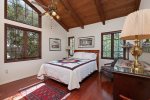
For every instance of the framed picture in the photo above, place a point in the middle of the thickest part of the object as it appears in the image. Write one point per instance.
(54, 44)
(146, 45)
(86, 42)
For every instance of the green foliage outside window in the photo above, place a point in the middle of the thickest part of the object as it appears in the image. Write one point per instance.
(14, 43)
(107, 45)
(33, 44)
(112, 45)
(21, 44)
(118, 43)
(18, 10)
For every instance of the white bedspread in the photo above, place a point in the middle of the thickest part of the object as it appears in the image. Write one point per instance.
(70, 77)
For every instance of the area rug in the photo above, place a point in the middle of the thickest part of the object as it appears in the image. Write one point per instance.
(43, 91)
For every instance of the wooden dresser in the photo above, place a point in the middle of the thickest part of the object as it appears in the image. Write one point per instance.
(130, 86)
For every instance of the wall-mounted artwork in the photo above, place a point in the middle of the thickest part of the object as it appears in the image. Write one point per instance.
(86, 42)
(146, 45)
(54, 44)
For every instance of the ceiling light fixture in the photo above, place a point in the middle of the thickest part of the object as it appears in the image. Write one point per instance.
(52, 8)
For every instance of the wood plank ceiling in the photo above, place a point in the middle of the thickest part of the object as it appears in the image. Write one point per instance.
(77, 13)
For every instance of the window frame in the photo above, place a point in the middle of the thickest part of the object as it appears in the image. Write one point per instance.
(112, 45)
(69, 43)
(32, 6)
(24, 29)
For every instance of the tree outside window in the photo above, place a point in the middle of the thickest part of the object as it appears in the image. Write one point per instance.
(21, 44)
(111, 45)
(20, 11)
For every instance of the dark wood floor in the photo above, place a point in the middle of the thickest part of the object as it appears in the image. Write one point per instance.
(92, 88)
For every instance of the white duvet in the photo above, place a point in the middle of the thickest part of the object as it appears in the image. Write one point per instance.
(70, 77)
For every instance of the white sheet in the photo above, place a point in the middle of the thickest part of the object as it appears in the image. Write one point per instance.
(67, 76)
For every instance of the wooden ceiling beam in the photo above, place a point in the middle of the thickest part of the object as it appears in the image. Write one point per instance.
(100, 10)
(137, 4)
(72, 12)
(59, 21)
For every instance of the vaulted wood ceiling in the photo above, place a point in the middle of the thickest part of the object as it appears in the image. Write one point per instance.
(77, 13)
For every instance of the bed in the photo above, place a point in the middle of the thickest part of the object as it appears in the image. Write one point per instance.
(73, 70)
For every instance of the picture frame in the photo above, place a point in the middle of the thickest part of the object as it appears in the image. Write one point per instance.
(54, 44)
(86, 42)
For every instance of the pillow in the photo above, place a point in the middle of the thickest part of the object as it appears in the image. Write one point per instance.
(89, 56)
(84, 55)
(78, 55)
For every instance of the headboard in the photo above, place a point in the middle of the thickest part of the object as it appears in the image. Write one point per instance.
(91, 51)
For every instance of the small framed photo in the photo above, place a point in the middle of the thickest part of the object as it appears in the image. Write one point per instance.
(86, 42)
(54, 44)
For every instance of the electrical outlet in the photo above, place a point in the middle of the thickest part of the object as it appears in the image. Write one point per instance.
(6, 71)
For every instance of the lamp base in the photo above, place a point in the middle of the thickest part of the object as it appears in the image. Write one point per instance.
(136, 51)
(137, 69)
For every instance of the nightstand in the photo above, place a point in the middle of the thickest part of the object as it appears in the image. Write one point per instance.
(130, 85)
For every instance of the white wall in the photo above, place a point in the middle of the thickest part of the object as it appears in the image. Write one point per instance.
(97, 28)
(18, 70)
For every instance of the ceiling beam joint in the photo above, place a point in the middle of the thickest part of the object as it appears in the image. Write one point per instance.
(100, 11)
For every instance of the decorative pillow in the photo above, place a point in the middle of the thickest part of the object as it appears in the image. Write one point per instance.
(68, 61)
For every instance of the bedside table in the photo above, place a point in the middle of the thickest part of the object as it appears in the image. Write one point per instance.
(130, 85)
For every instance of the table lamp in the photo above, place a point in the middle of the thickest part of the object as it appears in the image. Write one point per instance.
(137, 28)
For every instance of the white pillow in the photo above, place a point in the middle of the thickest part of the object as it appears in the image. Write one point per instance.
(84, 55)
(78, 55)
(90, 56)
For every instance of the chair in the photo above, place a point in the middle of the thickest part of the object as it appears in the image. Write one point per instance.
(108, 68)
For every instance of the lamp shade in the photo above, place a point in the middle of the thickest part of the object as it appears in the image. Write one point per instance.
(137, 25)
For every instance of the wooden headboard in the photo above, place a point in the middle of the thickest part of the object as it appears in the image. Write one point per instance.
(91, 51)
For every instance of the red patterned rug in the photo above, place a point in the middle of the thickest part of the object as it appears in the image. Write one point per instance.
(42, 91)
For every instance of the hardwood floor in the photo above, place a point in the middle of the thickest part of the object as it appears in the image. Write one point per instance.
(92, 88)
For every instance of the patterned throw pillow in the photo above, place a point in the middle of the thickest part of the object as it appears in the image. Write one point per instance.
(68, 61)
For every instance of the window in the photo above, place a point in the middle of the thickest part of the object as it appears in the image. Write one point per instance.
(21, 43)
(112, 45)
(22, 11)
(71, 43)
